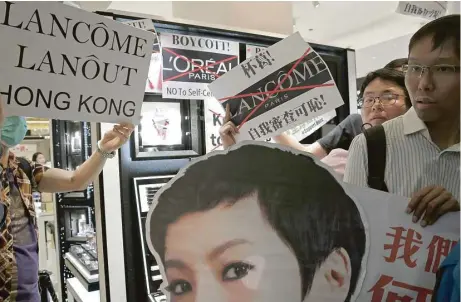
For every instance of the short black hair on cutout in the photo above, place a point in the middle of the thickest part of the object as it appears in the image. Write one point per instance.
(442, 30)
(397, 63)
(302, 201)
(392, 75)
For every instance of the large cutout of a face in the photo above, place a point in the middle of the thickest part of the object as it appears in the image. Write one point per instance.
(257, 223)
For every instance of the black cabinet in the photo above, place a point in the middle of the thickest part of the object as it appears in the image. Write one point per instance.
(74, 210)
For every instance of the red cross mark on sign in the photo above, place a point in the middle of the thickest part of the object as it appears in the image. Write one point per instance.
(199, 67)
(275, 90)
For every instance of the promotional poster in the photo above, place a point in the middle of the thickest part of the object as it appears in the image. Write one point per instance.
(58, 60)
(279, 88)
(226, 230)
(190, 63)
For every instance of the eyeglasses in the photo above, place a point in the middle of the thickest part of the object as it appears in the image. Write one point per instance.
(413, 70)
(386, 99)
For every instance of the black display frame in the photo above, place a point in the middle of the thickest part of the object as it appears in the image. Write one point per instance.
(130, 167)
(158, 181)
(191, 112)
(74, 200)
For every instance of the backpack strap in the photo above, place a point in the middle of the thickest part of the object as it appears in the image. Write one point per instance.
(376, 147)
(24, 165)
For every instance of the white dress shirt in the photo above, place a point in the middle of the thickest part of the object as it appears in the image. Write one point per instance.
(413, 161)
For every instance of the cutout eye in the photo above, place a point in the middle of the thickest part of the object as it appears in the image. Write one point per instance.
(179, 287)
(236, 271)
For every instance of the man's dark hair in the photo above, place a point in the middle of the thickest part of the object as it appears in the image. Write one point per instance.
(303, 202)
(398, 77)
(442, 30)
(397, 63)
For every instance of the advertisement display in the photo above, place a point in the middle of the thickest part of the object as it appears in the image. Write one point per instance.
(58, 60)
(275, 224)
(190, 63)
(278, 89)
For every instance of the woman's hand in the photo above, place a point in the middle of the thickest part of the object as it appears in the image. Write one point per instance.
(116, 137)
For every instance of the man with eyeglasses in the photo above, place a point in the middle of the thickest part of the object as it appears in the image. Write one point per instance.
(386, 86)
(422, 146)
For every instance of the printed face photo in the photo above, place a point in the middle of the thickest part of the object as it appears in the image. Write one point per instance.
(224, 230)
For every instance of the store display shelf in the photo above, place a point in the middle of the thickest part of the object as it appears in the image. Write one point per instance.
(89, 282)
(78, 293)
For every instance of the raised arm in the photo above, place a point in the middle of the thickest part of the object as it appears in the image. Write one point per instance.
(58, 180)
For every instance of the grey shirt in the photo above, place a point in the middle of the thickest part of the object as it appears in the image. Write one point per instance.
(342, 135)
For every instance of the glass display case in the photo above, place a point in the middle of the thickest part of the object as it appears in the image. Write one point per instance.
(75, 210)
(168, 129)
(145, 189)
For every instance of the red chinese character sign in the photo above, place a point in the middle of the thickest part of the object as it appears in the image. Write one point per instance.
(277, 89)
(260, 222)
(404, 257)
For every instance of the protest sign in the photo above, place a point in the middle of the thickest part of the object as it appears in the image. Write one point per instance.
(293, 232)
(425, 9)
(58, 61)
(190, 63)
(252, 50)
(304, 130)
(145, 24)
(279, 88)
(154, 77)
(214, 119)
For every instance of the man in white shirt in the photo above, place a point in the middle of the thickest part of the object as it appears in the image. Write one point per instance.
(422, 156)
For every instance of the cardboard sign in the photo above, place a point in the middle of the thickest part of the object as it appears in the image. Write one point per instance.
(190, 63)
(58, 61)
(252, 50)
(425, 9)
(214, 119)
(282, 226)
(304, 130)
(278, 89)
(145, 24)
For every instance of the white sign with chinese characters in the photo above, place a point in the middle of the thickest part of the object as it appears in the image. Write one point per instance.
(214, 119)
(278, 89)
(304, 130)
(425, 9)
(62, 62)
(403, 257)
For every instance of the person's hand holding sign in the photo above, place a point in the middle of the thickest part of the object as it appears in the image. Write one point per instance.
(116, 137)
(433, 201)
(228, 130)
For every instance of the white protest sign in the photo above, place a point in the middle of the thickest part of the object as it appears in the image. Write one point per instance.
(425, 9)
(253, 49)
(145, 24)
(61, 62)
(190, 63)
(279, 88)
(214, 119)
(304, 130)
(403, 257)
(293, 230)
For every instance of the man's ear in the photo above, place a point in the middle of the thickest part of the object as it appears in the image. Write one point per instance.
(332, 279)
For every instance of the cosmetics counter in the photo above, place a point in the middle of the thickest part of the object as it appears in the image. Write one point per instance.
(153, 155)
(75, 211)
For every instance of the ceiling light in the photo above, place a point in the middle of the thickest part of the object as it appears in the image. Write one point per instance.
(315, 4)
